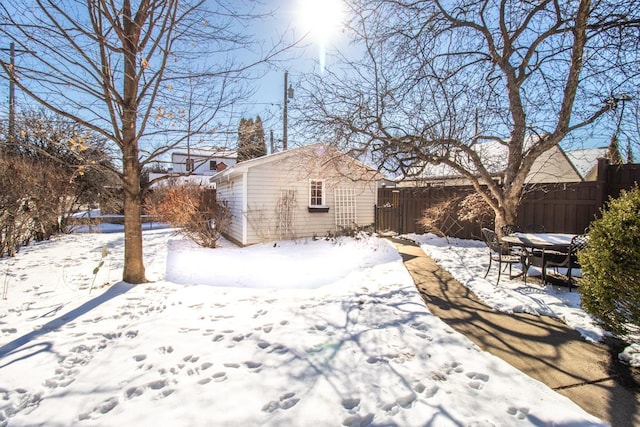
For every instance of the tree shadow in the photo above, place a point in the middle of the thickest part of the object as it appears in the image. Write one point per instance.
(541, 347)
(23, 347)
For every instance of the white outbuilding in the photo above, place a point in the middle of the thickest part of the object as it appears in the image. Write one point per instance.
(303, 192)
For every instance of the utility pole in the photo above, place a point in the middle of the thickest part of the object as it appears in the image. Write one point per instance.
(284, 114)
(12, 92)
(288, 93)
(271, 141)
(12, 87)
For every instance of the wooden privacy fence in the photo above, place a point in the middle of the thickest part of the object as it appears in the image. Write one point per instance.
(560, 208)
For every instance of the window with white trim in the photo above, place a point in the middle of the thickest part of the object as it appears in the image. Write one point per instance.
(316, 193)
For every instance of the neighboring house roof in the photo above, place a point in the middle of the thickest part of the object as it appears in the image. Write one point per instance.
(199, 180)
(555, 165)
(207, 152)
(586, 160)
(492, 153)
(315, 150)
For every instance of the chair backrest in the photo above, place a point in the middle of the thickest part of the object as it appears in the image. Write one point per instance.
(509, 229)
(490, 237)
(578, 243)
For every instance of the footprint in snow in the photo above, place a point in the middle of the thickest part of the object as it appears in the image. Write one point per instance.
(103, 408)
(286, 401)
(253, 365)
(260, 313)
(165, 350)
(426, 392)
(131, 334)
(350, 403)
(219, 376)
(455, 367)
(407, 400)
(358, 421)
(191, 358)
(477, 380)
(519, 413)
(132, 392)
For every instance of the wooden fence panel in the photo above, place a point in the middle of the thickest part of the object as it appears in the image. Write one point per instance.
(622, 177)
(567, 208)
(560, 208)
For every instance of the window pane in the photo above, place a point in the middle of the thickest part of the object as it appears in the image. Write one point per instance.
(316, 193)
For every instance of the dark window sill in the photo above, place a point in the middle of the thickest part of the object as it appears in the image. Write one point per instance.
(318, 209)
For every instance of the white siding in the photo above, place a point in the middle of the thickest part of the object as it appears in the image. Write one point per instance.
(268, 182)
(231, 191)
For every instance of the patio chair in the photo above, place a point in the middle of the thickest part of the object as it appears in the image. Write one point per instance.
(502, 254)
(569, 260)
(509, 229)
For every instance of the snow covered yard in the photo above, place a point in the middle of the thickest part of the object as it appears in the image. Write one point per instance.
(296, 333)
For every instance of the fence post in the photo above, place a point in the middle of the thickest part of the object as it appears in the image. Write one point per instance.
(375, 218)
(602, 183)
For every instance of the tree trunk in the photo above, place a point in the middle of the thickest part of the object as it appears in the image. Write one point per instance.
(507, 213)
(133, 265)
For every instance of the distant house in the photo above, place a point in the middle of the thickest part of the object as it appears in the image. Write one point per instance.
(195, 166)
(553, 166)
(202, 161)
(302, 192)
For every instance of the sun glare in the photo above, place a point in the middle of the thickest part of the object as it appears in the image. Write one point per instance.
(321, 19)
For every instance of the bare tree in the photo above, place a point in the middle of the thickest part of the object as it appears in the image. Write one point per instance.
(69, 167)
(122, 68)
(440, 82)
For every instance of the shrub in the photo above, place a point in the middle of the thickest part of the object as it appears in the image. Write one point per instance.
(610, 289)
(448, 216)
(189, 208)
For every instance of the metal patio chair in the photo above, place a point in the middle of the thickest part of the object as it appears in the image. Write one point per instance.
(509, 229)
(502, 254)
(569, 260)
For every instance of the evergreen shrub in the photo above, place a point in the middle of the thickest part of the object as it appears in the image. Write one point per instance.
(610, 289)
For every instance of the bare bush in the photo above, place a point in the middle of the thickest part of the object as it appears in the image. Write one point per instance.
(16, 207)
(474, 208)
(448, 215)
(189, 208)
(49, 169)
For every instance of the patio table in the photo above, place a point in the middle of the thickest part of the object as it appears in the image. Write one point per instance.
(544, 243)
